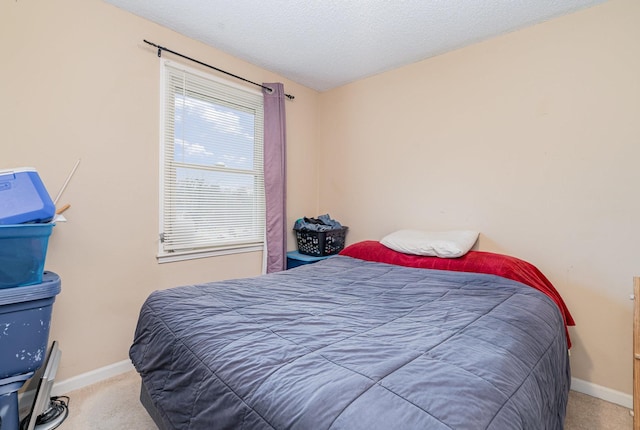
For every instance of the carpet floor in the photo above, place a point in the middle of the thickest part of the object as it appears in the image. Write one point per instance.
(115, 404)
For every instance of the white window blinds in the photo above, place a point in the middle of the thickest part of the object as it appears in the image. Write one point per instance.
(212, 187)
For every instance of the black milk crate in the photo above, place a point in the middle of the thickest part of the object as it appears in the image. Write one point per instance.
(321, 243)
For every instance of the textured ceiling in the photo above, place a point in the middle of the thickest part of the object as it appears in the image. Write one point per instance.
(323, 44)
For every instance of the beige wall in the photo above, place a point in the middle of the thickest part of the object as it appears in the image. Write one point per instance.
(532, 138)
(77, 82)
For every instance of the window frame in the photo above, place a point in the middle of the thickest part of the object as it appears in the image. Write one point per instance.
(163, 255)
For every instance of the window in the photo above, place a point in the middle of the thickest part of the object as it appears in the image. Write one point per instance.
(212, 182)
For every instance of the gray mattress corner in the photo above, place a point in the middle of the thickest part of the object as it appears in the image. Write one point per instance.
(349, 344)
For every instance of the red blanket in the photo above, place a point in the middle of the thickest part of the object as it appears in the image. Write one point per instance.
(474, 261)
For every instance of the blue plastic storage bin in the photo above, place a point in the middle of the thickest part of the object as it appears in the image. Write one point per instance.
(23, 197)
(25, 317)
(23, 249)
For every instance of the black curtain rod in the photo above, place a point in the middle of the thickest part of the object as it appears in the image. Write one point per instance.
(162, 48)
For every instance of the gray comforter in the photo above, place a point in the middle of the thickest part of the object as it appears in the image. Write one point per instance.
(349, 344)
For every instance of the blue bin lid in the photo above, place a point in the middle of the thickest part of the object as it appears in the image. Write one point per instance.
(49, 287)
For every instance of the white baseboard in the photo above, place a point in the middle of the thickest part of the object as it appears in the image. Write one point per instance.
(602, 393)
(80, 381)
(98, 375)
(91, 377)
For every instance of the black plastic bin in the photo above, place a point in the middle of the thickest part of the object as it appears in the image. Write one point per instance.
(321, 243)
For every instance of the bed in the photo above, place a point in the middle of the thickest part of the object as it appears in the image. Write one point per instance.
(368, 339)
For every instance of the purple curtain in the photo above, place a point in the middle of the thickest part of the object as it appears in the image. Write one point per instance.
(275, 178)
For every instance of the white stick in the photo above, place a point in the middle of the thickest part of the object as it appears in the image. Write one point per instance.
(66, 182)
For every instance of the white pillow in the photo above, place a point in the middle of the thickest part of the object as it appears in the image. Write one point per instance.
(445, 244)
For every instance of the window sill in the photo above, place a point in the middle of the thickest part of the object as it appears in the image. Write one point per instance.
(192, 255)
